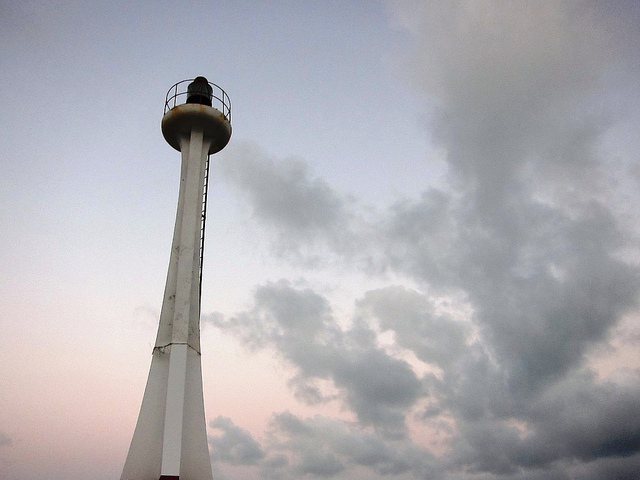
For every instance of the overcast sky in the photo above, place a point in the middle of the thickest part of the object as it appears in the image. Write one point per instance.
(423, 243)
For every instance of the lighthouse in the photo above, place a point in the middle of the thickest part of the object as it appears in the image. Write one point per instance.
(170, 438)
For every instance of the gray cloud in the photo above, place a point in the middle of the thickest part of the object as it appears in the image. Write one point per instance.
(235, 446)
(584, 419)
(544, 288)
(623, 468)
(529, 233)
(299, 323)
(577, 419)
(435, 339)
(282, 193)
(312, 224)
(529, 239)
(275, 467)
(306, 214)
(325, 447)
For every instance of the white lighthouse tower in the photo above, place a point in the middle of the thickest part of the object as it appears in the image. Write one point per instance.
(170, 439)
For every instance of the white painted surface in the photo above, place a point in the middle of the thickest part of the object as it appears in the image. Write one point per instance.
(173, 432)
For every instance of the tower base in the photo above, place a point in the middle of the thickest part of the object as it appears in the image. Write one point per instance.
(155, 440)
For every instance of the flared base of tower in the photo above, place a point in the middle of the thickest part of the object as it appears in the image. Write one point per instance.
(170, 439)
(178, 122)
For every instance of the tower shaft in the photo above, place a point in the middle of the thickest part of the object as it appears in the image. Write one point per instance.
(170, 440)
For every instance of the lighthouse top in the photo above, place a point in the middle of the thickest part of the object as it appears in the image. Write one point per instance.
(197, 104)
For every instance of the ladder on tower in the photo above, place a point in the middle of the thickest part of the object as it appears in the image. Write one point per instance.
(202, 225)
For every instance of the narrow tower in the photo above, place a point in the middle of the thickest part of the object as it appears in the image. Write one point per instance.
(170, 439)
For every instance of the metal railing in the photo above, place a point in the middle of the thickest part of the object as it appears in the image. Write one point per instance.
(177, 95)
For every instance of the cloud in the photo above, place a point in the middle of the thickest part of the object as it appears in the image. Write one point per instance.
(235, 446)
(312, 224)
(274, 467)
(584, 419)
(529, 237)
(325, 447)
(300, 325)
(281, 193)
(317, 447)
(526, 234)
(436, 339)
(544, 286)
(626, 468)
(300, 208)
(578, 419)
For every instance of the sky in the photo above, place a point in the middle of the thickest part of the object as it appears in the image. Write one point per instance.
(423, 241)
